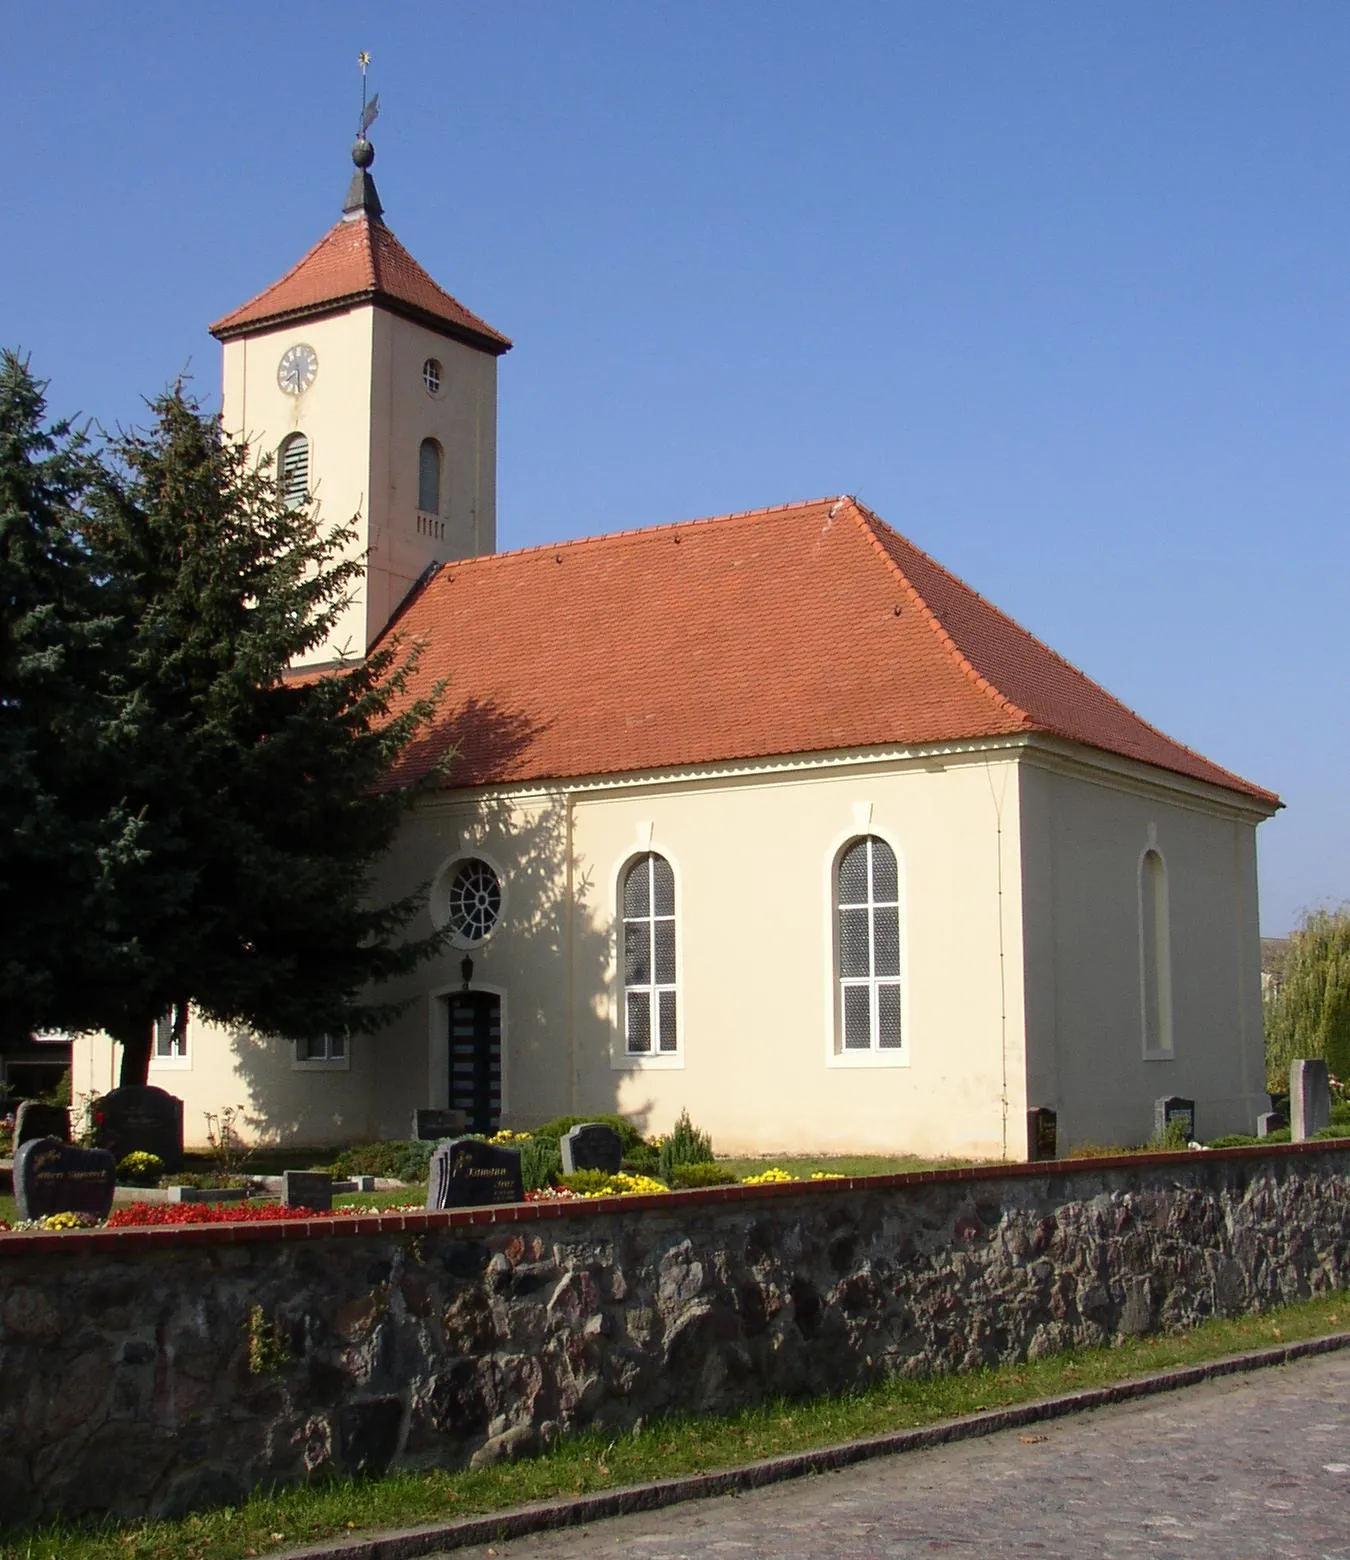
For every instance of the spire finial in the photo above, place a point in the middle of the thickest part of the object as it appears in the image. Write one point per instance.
(361, 193)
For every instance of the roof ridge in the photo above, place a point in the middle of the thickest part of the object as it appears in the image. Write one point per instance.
(639, 532)
(1054, 654)
(866, 520)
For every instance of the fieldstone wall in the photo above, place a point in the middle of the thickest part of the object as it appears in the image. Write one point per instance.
(153, 1371)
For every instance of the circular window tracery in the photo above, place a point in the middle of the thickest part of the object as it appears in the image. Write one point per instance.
(474, 900)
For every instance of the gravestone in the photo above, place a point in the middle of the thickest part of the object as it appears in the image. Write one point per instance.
(52, 1177)
(434, 1126)
(468, 1173)
(592, 1146)
(307, 1189)
(39, 1121)
(1172, 1108)
(1269, 1121)
(1042, 1133)
(1309, 1099)
(140, 1117)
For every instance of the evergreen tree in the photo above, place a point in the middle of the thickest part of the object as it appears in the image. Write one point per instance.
(260, 792)
(65, 834)
(1308, 1012)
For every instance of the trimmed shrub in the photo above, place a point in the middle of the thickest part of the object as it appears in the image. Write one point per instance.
(1235, 1140)
(400, 1160)
(686, 1145)
(632, 1138)
(685, 1177)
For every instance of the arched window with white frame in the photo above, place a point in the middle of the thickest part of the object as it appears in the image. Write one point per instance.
(1155, 954)
(293, 470)
(867, 912)
(647, 894)
(429, 477)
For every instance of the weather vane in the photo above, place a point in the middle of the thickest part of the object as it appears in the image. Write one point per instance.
(369, 111)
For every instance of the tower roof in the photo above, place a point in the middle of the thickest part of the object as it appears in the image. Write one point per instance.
(359, 261)
(805, 629)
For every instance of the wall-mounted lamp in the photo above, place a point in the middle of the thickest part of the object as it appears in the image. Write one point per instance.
(466, 969)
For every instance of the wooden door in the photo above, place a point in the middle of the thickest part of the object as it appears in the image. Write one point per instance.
(476, 1058)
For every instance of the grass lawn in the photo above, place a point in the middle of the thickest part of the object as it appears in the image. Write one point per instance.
(309, 1514)
(841, 1164)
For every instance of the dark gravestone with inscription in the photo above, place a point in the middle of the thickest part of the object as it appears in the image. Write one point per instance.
(1171, 1112)
(434, 1126)
(591, 1146)
(140, 1118)
(1042, 1133)
(52, 1177)
(39, 1121)
(468, 1173)
(307, 1189)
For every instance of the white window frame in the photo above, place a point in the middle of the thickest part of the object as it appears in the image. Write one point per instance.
(325, 1063)
(621, 1058)
(433, 377)
(874, 1055)
(1164, 1050)
(170, 1061)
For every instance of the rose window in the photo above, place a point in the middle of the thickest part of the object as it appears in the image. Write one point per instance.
(475, 901)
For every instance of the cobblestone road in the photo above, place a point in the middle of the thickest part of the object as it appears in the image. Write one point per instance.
(1246, 1468)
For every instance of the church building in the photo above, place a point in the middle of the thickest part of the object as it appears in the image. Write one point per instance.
(766, 816)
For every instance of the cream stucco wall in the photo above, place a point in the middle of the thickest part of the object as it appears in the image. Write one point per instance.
(1083, 841)
(366, 415)
(1021, 950)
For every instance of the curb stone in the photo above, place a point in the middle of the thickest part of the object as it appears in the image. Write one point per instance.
(550, 1515)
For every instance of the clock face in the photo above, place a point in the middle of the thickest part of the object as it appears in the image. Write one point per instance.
(298, 366)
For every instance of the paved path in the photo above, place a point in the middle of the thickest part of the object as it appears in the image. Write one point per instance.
(1245, 1468)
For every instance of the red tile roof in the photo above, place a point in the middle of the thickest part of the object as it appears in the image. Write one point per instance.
(360, 261)
(803, 629)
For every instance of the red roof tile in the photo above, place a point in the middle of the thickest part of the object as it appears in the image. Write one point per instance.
(803, 629)
(360, 261)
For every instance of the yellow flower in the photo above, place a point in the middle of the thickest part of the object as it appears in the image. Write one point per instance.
(624, 1185)
(768, 1178)
(826, 1175)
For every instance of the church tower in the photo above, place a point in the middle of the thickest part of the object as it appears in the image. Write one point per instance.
(377, 393)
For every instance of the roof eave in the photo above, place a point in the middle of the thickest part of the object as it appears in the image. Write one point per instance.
(223, 330)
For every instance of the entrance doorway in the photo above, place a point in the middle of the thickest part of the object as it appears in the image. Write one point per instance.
(476, 1058)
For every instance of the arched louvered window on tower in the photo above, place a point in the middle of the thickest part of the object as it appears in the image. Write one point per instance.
(649, 990)
(293, 470)
(867, 904)
(429, 477)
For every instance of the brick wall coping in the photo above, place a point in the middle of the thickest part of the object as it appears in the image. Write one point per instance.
(338, 1226)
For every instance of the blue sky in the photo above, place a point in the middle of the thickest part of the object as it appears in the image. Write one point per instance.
(1059, 289)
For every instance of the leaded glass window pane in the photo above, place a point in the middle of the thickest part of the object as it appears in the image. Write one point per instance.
(857, 1018)
(884, 887)
(668, 1037)
(637, 888)
(853, 875)
(663, 886)
(888, 1017)
(639, 1021)
(885, 940)
(665, 952)
(854, 954)
(637, 946)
